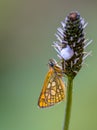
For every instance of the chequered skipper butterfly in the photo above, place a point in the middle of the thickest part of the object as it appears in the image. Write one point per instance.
(53, 90)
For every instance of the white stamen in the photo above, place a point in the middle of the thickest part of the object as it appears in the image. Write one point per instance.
(88, 54)
(66, 20)
(60, 40)
(56, 45)
(60, 34)
(63, 24)
(60, 30)
(65, 42)
(57, 50)
(59, 56)
(82, 21)
(88, 43)
(85, 25)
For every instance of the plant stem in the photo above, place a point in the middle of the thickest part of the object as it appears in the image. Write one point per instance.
(68, 103)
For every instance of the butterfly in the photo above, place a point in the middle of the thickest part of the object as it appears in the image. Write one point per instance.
(53, 90)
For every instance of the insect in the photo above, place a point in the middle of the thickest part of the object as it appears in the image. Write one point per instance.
(53, 90)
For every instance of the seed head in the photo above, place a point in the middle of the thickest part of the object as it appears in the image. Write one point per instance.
(71, 43)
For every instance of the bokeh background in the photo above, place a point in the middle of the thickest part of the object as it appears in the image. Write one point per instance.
(26, 34)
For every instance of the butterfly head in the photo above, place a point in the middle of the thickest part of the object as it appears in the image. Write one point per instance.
(52, 62)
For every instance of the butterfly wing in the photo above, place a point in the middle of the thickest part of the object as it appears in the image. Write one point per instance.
(53, 90)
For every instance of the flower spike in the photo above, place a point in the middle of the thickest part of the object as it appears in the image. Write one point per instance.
(71, 43)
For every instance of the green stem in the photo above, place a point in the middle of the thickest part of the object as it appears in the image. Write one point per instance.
(68, 103)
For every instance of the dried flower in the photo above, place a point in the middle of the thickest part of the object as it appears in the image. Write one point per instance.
(71, 43)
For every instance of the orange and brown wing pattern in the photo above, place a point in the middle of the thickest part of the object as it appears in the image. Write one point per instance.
(53, 90)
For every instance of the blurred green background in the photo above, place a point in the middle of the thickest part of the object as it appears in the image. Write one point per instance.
(26, 34)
